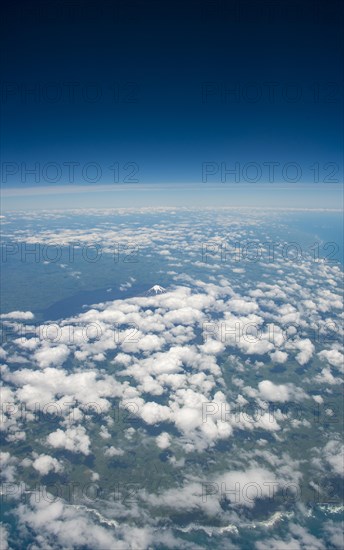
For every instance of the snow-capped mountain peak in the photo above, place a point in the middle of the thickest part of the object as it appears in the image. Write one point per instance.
(156, 289)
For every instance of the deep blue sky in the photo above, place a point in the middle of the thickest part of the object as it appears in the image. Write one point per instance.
(137, 71)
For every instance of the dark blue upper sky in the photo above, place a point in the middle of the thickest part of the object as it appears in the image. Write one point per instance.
(157, 89)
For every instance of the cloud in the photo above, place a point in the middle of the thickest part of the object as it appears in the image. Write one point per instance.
(274, 392)
(153, 413)
(163, 440)
(45, 464)
(22, 315)
(243, 307)
(51, 356)
(279, 356)
(112, 451)
(333, 356)
(8, 468)
(72, 439)
(4, 534)
(282, 393)
(167, 368)
(306, 350)
(54, 524)
(334, 532)
(326, 377)
(333, 453)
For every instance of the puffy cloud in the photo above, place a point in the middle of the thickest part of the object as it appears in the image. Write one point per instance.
(46, 463)
(306, 350)
(153, 413)
(8, 468)
(20, 315)
(243, 307)
(112, 451)
(326, 377)
(289, 315)
(72, 439)
(333, 356)
(241, 487)
(279, 356)
(274, 392)
(184, 316)
(212, 347)
(44, 386)
(51, 356)
(260, 347)
(192, 496)
(163, 440)
(150, 342)
(53, 524)
(279, 392)
(104, 433)
(4, 537)
(333, 453)
(244, 487)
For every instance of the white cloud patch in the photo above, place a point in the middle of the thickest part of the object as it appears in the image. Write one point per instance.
(18, 315)
(72, 439)
(46, 463)
(113, 451)
(51, 356)
(163, 440)
(334, 357)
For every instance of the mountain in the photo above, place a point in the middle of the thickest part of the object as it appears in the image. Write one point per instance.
(156, 289)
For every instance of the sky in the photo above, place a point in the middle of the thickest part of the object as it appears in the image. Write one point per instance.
(132, 93)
